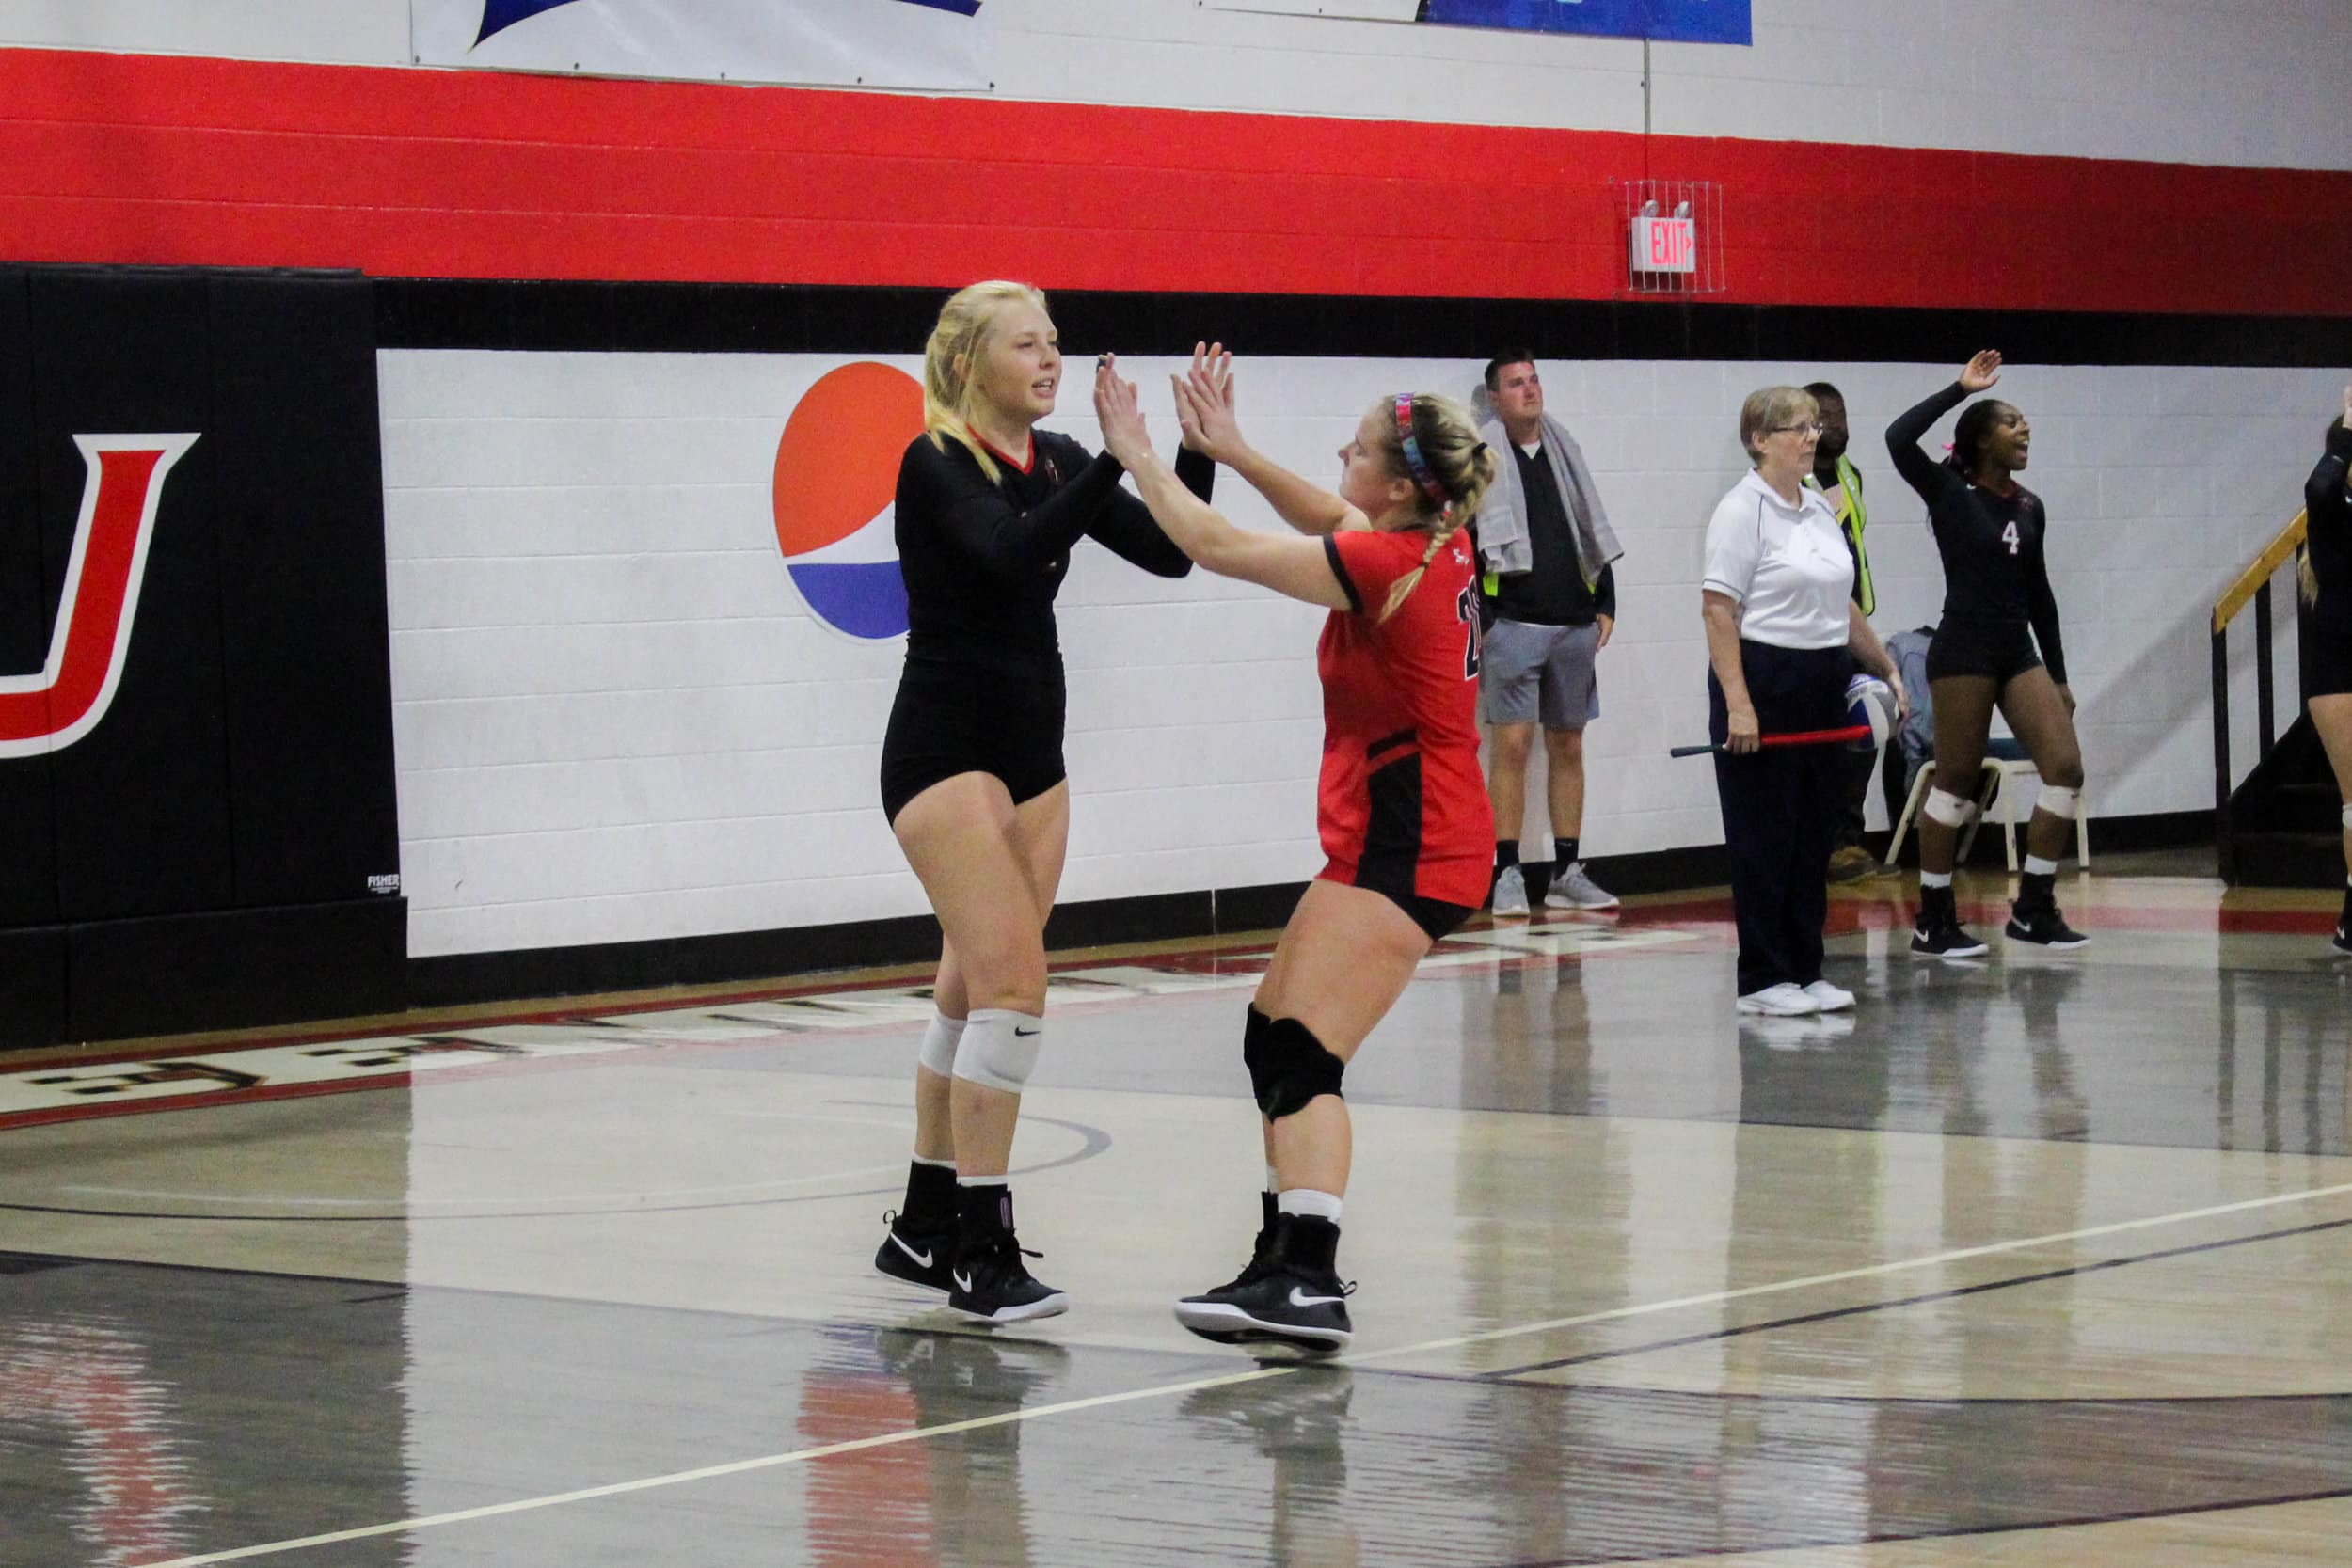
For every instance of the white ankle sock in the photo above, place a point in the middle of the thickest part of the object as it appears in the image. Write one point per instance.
(1935, 878)
(1306, 1200)
(2037, 866)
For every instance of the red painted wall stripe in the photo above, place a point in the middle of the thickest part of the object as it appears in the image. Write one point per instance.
(478, 174)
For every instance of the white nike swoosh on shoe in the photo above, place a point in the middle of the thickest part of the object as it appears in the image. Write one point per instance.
(1299, 1298)
(963, 1282)
(922, 1260)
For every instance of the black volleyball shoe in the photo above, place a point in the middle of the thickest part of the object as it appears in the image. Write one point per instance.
(2035, 916)
(1939, 933)
(924, 1258)
(989, 1284)
(1290, 1296)
(2044, 927)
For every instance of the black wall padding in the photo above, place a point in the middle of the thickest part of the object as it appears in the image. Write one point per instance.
(202, 857)
(28, 838)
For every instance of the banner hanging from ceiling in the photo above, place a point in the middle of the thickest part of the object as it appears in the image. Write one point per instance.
(940, 45)
(1669, 21)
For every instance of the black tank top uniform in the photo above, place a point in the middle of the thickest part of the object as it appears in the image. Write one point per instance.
(1997, 584)
(2328, 529)
(982, 688)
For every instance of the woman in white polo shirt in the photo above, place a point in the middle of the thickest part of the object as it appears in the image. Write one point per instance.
(1783, 638)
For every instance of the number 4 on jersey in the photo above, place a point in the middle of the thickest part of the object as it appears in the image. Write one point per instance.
(2008, 536)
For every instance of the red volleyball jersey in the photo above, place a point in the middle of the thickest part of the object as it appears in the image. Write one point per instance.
(1403, 804)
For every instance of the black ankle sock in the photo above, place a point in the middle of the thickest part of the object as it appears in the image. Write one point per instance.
(1565, 851)
(930, 1200)
(983, 1215)
(1506, 854)
(1310, 1244)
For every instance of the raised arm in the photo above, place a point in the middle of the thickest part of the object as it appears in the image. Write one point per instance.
(1127, 526)
(1204, 406)
(1920, 472)
(2323, 493)
(1297, 567)
(976, 519)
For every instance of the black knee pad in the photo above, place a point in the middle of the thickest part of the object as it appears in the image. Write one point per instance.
(1289, 1066)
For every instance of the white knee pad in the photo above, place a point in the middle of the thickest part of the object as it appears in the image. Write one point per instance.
(2347, 820)
(999, 1048)
(1949, 809)
(2059, 800)
(939, 1044)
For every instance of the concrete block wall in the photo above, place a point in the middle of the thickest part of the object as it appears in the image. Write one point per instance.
(616, 721)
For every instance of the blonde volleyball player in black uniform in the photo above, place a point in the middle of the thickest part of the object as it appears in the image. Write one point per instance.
(1997, 606)
(989, 509)
(2326, 583)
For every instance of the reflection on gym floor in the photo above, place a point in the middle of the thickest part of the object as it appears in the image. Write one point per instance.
(2042, 1260)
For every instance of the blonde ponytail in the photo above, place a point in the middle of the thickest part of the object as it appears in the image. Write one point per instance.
(951, 354)
(1460, 465)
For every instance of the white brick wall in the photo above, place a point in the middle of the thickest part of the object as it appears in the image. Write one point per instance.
(2242, 83)
(616, 721)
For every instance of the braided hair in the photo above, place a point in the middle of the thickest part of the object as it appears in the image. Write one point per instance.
(1452, 476)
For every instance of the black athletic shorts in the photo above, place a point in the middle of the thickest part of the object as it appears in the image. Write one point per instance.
(942, 727)
(2004, 652)
(2329, 673)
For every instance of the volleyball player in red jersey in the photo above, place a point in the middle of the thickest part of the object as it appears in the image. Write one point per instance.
(1403, 809)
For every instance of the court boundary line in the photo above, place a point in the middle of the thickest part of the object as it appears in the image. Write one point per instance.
(1256, 1374)
(1509, 1374)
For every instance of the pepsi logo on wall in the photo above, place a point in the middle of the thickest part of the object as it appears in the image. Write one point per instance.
(837, 474)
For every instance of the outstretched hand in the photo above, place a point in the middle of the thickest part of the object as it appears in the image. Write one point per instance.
(1983, 370)
(1204, 403)
(1121, 413)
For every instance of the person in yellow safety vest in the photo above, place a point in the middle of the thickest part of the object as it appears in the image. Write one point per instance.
(1840, 483)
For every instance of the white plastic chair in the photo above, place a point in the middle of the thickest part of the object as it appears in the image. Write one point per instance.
(1996, 780)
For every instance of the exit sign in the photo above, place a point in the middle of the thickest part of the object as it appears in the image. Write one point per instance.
(1662, 244)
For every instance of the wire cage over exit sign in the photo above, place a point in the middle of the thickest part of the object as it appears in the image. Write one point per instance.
(1673, 235)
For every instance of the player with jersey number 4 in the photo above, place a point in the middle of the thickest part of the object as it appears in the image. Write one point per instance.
(1997, 644)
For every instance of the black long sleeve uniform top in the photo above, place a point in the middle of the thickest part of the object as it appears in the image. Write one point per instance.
(2328, 526)
(982, 561)
(1994, 572)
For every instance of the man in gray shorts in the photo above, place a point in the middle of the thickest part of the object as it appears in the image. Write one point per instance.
(1545, 547)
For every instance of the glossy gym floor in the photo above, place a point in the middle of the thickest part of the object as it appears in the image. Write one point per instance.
(2042, 1260)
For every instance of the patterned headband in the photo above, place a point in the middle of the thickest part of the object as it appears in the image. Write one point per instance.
(1421, 476)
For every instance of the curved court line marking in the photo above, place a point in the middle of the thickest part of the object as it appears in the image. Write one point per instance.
(288, 1201)
(1091, 1142)
(913, 1434)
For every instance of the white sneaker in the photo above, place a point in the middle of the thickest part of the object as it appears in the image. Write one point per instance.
(1785, 1000)
(1831, 999)
(1574, 890)
(1511, 891)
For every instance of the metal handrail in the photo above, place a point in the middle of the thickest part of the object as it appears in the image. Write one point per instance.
(2258, 576)
(2253, 586)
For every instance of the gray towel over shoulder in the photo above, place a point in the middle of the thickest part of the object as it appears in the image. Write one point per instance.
(1502, 541)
